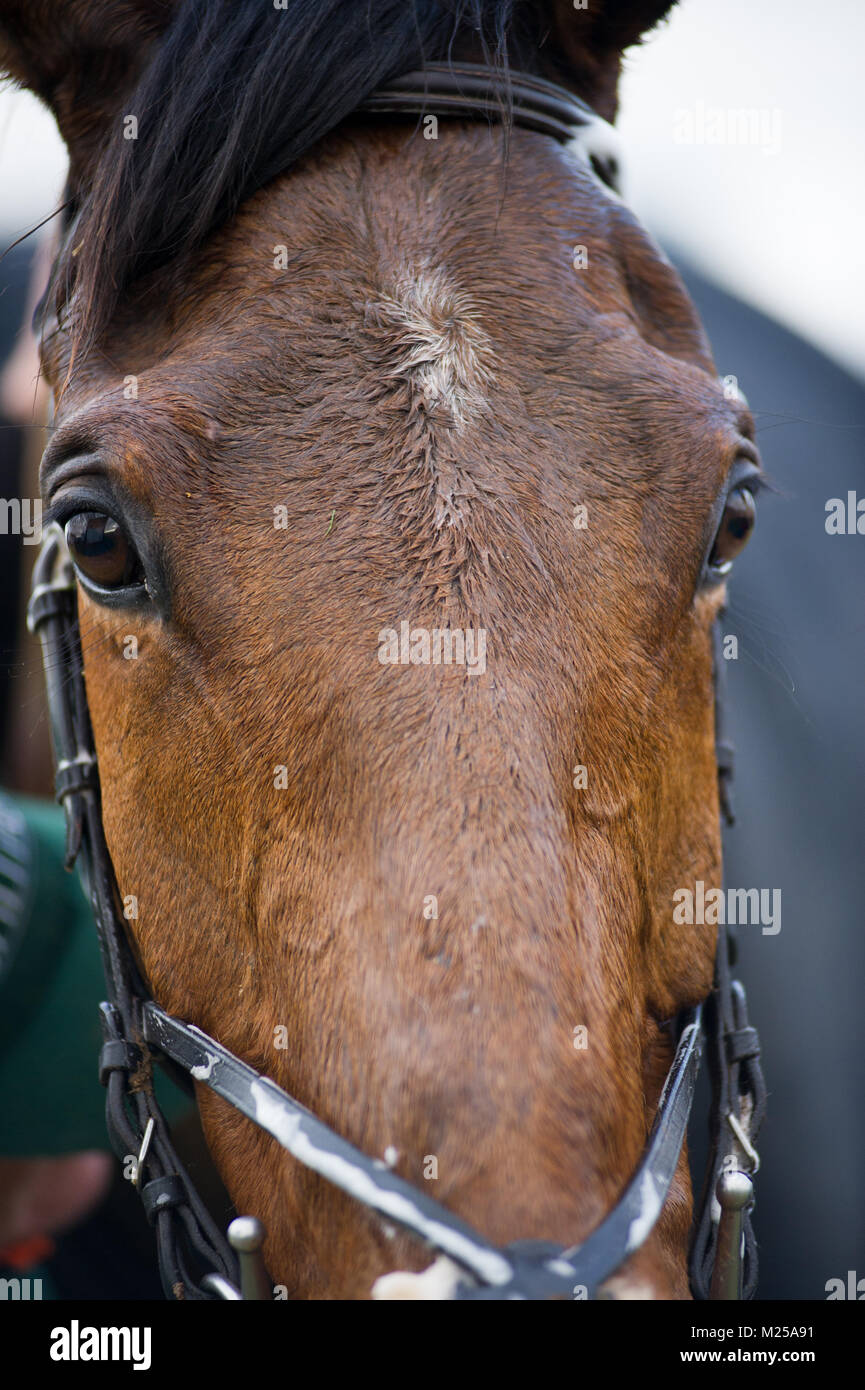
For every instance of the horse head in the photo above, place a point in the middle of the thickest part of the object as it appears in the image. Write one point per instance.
(401, 489)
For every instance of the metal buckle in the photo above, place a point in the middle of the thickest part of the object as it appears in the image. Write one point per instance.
(744, 1142)
(142, 1153)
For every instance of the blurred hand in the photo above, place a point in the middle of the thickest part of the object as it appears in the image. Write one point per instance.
(42, 1196)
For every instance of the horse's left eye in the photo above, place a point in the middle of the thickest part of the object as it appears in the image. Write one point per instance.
(102, 552)
(737, 523)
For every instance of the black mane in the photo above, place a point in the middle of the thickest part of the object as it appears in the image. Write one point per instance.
(235, 92)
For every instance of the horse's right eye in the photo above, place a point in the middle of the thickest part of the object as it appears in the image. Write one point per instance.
(102, 552)
(737, 523)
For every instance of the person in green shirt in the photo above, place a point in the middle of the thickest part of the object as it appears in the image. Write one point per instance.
(55, 1163)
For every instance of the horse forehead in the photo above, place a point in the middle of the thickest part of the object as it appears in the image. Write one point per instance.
(376, 216)
(437, 255)
(416, 300)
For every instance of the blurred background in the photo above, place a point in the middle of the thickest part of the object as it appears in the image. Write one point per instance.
(743, 132)
(779, 220)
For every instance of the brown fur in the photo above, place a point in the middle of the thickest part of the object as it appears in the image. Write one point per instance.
(304, 907)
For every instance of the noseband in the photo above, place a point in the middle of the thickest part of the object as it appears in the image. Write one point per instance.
(195, 1260)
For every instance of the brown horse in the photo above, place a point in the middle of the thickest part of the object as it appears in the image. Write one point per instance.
(340, 397)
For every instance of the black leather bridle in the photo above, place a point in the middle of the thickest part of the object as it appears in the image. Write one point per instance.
(196, 1262)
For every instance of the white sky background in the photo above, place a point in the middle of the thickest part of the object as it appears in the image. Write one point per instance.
(783, 230)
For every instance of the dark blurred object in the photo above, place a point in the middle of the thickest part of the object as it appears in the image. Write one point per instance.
(25, 759)
(795, 694)
(14, 279)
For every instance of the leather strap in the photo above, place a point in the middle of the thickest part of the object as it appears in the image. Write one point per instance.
(472, 90)
(733, 1056)
(188, 1241)
(515, 1272)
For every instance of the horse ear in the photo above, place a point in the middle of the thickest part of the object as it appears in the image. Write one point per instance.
(583, 43)
(81, 57)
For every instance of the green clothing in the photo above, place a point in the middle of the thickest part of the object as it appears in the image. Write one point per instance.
(51, 984)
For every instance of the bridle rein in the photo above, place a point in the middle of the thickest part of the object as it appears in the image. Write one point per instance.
(196, 1261)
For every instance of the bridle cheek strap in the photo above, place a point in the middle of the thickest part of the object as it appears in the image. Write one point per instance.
(723, 1257)
(187, 1237)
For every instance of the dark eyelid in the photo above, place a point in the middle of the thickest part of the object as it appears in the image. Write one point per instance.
(83, 492)
(58, 466)
(746, 472)
(746, 449)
